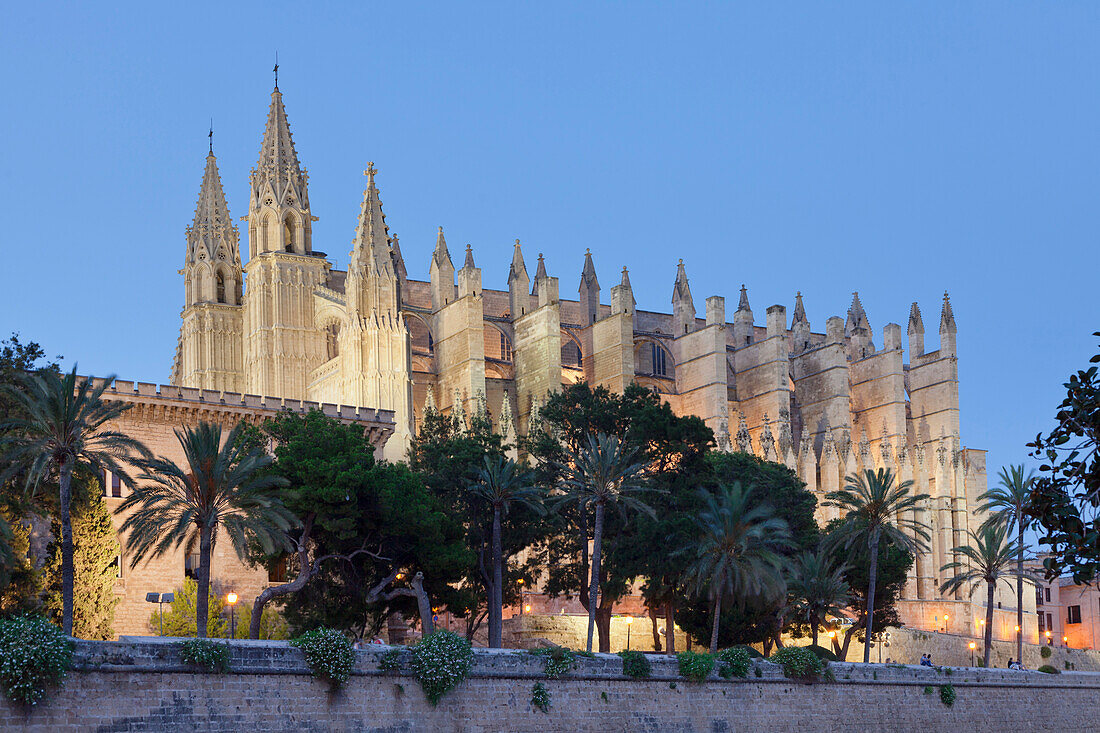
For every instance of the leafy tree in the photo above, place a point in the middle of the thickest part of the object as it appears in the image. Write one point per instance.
(600, 473)
(875, 507)
(448, 457)
(891, 573)
(367, 529)
(1066, 496)
(181, 616)
(817, 588)
(63, 428)
(738, 551)
(501, 483)
(1009, 503)
(20, 582)
(95, 563)
(218, 486)
(989, 559)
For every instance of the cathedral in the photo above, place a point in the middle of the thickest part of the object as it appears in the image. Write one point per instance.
(827, 403)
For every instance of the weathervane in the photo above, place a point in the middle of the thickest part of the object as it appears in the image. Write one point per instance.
(276, 70)
(211, 135)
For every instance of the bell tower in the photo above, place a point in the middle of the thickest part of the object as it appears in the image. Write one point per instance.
(281, 343)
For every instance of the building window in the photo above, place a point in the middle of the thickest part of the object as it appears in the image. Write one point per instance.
(191, 566)
(1073, 614)
(505, 348)
(1046, 592)
(220, 280)
(1042, 623)
(660, 360)
(332, 340)
(1038, 597)
(103, 481)
(1050, 622)
(116, 485)
(571, 353)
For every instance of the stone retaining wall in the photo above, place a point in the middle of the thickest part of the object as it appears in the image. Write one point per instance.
(144, 686)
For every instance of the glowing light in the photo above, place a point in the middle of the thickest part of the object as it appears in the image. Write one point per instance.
(400, 576)
(1048, 634)
(1017, 629)
(232, 598)
(981, 622)
(945, 617)
(832, 634)
(520, 581)
(629, 620)
(973, 646)
(527, 608)
(1065, 639)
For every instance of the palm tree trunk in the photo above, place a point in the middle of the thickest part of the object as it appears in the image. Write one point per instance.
(988, 623)
(714, 626)
(594, 582)
(813, 631)
(496, 610)
(202, 600)
(670, 626)
(1020, 597)
(871, 598)
(66, 548)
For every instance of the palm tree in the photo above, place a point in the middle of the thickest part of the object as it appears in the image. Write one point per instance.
(217, 486)
(502, 482)
(874, 508)
(816, 584)
(64, 427)
(990, 559)
(1008, 503)
(600, 471)
(738, 553)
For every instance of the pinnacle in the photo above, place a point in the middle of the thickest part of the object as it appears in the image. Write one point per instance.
(857, 318)
(441, 254)
(947, 316)
(540, 271)
(278, 158)
(588, 274)
(469, 257)
(916, 323)
(743, 304)
(680, 290)
(799, 310)
(518, 266)
(211, 210)
(371, 236)
(625, 282)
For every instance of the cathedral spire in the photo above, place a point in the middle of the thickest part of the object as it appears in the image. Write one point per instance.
(947, 316)
(589, 291)
(799, 310)
(441, 273)
(518, 268)
(441, 254)
(469, 257)
(683, 307)
(371, 246)
(278, 162)
(540, 275)
(857, 318)
(279, 216)
(743, 303)
(588, 273)
(212, 265)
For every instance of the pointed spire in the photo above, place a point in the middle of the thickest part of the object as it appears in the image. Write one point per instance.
(947, 316)
(458, 413)
(441, 255)
(371, 246)
(506, 426)
(398, 259)
(916, 323)
(625, 282)
(518, 268)
(857, 318)
(540, 275)
(212, 235)
(799, 310)
(680, 290)
(743, 304)
(588, 274)
(744, 440)
(767, 440)
(278, 161)
(469, 256)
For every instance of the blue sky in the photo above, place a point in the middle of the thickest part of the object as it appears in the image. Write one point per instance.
(897, 149)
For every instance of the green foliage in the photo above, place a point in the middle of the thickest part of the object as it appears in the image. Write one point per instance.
(441, 661)
(210, 656)
(540, 697)
(947, 694)
(694, 666)
(181, 615)
(822, 653)
(798, 662)
(390, 662)
(95, 563)
(1049, 669)
(272, 623)
(328, 653)
(1045, 652)
(557, 660)
(929, 689)
(635, 664)
(20, 582)
(34, 656)
(348, 500)
(734, 662)
(1067, 492)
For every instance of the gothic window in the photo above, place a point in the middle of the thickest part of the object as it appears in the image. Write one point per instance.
(570, 353)
(220, 280)
(332, 340)
(660, 363)
(505, 347)
(288, 234)
(431, 343)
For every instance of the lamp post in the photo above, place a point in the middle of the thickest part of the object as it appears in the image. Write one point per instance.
(520, 584)
(973, 646)
(232, 598)
(629, 621)
(160, 599)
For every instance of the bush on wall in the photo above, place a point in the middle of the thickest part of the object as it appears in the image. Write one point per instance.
(211, 656)
(440, 662)
(34, 656)
(328, 653)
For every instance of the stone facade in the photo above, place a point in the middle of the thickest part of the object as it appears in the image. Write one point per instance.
(146, 687)
(155, 414)
(826, 403)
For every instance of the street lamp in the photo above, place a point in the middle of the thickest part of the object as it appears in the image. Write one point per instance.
(232, 599)
(629, 621)
(520, 584)
(160, 599)
(973, 646)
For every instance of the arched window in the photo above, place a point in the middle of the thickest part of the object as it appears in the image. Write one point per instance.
(332, 340)
(505, 347)
(219, 279)
(288, 234)
(660, 360)
(570, 353)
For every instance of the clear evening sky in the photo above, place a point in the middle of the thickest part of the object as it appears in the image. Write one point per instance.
(897, 149)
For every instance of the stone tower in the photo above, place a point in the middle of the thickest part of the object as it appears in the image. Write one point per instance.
(209, 352)
(373, 341)
(281, 343)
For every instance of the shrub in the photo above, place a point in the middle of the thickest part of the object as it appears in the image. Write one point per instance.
(34, 655)
(929, 689)
(1045, 652)
(947, 694)
(540, 697)
(209, 656)
(734, 662)
(823, 653)
(635, 664)
(556, 660)
(1049, 669)
(390, 662)
(798, 662)
(440, 662)
(328, 653)
(695, 667)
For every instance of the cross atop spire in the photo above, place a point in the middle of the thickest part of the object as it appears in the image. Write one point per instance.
(276, 71)
(947, 316)
(211, 136)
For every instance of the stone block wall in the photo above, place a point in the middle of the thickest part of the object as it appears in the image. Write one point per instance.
(142, 686)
